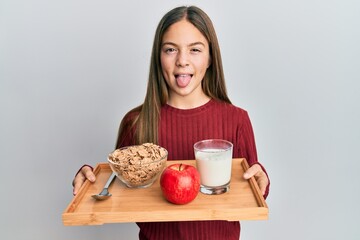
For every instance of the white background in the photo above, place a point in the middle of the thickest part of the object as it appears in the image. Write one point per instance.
(70, 70)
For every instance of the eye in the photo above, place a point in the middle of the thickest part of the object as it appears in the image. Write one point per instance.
(195, 50)
(170, 50)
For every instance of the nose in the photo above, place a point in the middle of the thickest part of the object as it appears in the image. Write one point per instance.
(182, 59)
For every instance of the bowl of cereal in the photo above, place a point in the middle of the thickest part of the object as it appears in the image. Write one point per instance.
(138, 166)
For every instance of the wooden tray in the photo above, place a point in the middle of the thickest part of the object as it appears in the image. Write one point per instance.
(243, 202)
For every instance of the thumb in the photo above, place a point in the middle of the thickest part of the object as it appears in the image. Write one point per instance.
(88, 173)
(252, 171)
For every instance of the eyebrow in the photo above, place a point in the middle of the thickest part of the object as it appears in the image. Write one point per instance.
(189, 45)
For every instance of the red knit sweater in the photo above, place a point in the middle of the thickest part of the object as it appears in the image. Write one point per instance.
(178, 131)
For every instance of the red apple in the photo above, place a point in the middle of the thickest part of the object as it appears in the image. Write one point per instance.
(180, 183)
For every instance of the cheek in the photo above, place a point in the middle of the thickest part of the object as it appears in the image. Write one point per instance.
(165, 72)
(166, 68)
(203, 64)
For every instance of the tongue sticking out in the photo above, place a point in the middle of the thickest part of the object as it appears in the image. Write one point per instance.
(183, 80)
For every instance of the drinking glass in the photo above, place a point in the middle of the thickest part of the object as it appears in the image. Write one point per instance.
(213, 161)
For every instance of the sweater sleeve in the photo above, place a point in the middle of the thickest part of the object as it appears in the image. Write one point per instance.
(248, 147)
(126, 133)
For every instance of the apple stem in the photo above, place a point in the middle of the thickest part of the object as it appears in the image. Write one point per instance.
(180, 169)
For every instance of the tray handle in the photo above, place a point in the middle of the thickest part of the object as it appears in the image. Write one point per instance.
(254, 186)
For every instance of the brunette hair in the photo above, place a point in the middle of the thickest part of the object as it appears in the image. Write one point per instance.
(147, 120)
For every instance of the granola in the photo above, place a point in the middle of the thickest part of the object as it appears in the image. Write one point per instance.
(138, 165)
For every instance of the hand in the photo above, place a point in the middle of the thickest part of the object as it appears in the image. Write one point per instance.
(260, 177)
(85, 173)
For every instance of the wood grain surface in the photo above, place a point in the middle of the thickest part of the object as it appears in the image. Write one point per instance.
(243, 202)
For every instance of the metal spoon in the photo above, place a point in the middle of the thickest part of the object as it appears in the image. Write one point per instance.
(105, 193)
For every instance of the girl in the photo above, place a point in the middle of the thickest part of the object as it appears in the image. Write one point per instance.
(186, 101)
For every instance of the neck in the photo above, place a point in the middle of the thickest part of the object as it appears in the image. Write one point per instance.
(182, 102)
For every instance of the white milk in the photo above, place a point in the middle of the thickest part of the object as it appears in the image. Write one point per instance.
(214, 166)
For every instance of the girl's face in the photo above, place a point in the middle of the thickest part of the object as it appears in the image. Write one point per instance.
(184, 58)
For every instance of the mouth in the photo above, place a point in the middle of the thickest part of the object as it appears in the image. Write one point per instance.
(183, 80)
(183, 75)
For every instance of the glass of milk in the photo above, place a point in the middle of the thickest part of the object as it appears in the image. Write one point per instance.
(213, 161)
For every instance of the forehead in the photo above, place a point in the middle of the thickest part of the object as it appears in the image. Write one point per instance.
(183, 32)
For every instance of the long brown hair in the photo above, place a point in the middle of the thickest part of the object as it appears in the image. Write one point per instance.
(213, 84)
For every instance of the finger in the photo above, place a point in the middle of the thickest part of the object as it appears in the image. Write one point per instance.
(254, 169)
(85, 173)
(77, 183)
(262, 183)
